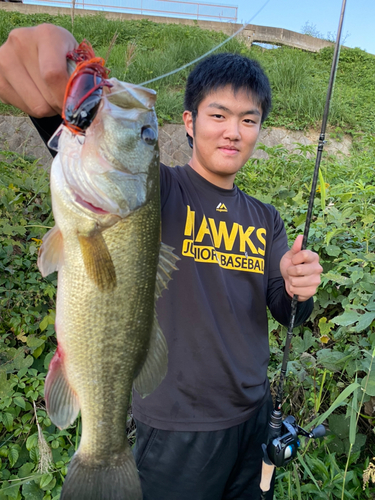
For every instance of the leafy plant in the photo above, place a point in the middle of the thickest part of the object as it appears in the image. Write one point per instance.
(331, 371)
(331, 368)
(27, 338)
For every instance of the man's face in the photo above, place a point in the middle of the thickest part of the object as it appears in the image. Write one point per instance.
(226, 129)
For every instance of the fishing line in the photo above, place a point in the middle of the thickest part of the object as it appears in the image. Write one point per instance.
(54, 144)
(200, 57)
(190, 64)
(209, 52)
(81, 138)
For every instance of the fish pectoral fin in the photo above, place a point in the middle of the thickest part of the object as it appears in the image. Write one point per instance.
(61, 401)
(98, 261)
(166, 266)
(155, 367)
(51, 252)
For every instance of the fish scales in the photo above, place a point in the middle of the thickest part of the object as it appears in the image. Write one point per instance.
(94, 336)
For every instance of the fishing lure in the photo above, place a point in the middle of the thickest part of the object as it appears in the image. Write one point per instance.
(84, 89)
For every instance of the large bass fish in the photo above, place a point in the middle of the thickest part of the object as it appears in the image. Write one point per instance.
(111, 267)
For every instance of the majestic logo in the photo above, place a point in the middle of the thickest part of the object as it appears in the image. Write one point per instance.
(235, 247)
(221, 208)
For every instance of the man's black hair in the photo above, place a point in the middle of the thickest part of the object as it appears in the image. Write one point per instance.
(220, 70)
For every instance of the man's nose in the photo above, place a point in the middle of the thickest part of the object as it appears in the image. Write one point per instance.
(232, 131)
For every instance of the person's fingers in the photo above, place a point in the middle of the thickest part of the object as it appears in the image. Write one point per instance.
(303, 286)
(9, 96)
(53, 71)
(20, 91)
(304, 281)
(304, 256)
(297, 245)
(33, 69)
(305, 269)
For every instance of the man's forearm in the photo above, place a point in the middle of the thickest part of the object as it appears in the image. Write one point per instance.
(279, 303)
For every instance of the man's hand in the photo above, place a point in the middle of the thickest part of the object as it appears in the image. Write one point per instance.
(33, 69)
(301, 271)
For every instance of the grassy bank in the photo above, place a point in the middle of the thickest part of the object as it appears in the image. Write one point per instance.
(145, 49)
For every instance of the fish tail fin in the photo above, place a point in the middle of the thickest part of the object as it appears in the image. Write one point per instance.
(117, 480)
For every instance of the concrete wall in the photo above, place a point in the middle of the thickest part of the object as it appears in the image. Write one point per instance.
(18, 134)
(251, 33)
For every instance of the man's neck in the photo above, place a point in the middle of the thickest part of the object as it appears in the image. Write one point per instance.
(221, 181)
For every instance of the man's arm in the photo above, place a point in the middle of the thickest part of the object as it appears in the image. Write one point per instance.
(33, 69)
(279, 303)
(300, 270)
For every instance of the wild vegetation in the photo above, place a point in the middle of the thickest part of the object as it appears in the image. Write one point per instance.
(332, 367)
(145, 50)
(331, 374)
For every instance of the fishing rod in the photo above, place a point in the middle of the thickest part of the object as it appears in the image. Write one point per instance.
(283, 441)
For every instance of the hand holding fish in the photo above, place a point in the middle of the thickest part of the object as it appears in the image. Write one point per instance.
(33, 69)
(301, 271)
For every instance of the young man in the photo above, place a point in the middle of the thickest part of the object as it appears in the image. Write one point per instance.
(199, 434)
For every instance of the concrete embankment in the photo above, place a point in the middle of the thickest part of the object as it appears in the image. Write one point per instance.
(18, 134)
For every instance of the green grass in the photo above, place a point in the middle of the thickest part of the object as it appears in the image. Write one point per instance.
(299, 79)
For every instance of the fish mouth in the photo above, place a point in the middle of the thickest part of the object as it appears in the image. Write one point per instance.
(90, 206)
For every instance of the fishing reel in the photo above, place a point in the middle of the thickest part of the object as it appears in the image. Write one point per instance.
(282, 449)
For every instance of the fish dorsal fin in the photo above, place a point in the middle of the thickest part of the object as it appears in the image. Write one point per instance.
(51, 252)
(61, 401)
(98, 262)
(166, 265)
(155, 367)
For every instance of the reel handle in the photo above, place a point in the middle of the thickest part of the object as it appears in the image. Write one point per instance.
(318, 432)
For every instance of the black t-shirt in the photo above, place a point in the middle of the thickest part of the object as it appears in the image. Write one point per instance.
(214, 313)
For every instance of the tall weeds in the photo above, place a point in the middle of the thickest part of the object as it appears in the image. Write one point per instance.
(299, 79)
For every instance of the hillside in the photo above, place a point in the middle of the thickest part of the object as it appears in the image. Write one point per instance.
(145, 50)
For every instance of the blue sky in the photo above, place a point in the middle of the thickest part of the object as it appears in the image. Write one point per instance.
(359, 21)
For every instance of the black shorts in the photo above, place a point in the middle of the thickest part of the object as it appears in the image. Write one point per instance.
(207, 465)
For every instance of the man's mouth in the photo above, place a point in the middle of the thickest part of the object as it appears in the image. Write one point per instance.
(229, 149)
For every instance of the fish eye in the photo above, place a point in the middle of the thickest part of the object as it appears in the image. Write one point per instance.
(148, 134)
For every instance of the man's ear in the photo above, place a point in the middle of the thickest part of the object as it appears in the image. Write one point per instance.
(188, 120)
